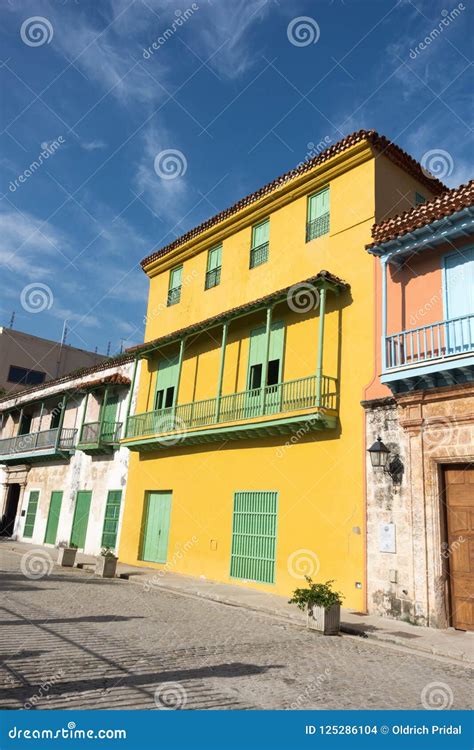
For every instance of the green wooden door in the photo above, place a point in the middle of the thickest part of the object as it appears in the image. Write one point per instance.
(111, 519)
(166, 382)
(81, 519)
(31, 514)
(156, 527)
(53, 517)
(109, 416)
(255, 368)
(254, 536)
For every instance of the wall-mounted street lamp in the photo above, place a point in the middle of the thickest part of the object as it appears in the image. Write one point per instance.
(379, 457)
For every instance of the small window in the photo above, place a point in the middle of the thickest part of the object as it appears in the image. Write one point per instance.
(273, 372)
(22, 376)
(55, 417)
(318, 215)
(419, 199)
(255, 378)
(164, 398)
(260, 243)
(214, 264)
(174, 289)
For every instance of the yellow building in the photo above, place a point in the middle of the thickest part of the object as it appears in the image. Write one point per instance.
(248, 434)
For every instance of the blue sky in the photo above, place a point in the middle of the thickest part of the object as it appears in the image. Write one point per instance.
(229, 89)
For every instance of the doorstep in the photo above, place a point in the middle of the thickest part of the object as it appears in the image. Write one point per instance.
(450, 644)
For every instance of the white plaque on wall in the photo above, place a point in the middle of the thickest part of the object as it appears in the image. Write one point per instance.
(387, 537)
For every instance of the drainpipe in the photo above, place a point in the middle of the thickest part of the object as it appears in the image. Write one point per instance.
(383, 263)
(319, 368)
(225, 328)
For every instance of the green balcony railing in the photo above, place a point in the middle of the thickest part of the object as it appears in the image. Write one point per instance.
(293, 395)
(95, 433)
(35, 442)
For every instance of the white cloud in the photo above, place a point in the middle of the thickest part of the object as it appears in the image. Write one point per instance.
(93, 145)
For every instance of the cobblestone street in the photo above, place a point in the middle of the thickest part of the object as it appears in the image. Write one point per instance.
(70, 640)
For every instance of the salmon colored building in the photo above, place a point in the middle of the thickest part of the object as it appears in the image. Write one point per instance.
(420, 499)
(248, 435)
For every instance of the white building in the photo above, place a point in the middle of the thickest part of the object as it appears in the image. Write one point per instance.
(63, 473)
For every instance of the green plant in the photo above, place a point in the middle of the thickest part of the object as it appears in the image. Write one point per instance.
(72, 546)
(316, 595)
(107, 552)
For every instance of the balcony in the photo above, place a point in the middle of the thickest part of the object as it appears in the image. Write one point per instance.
(37, 446)
(296, 405)
(440, 351)
(317, 227)
(97, 437)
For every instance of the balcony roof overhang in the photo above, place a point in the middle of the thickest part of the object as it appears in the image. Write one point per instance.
(457, 225)
(323, 279)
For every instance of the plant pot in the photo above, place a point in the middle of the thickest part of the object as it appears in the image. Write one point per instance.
(326, 621)
(106, 566)
(67, 557)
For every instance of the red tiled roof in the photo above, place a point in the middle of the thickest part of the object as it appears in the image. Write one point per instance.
(380, 142)
(115, 379)
(444, 205)
(228, 314)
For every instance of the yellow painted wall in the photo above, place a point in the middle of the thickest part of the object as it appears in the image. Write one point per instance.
(320, 479)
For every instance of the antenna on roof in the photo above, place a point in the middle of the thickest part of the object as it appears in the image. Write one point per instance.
(121, 345)
(95, 350)
(108, 348)
(65, 332)
(12, 319)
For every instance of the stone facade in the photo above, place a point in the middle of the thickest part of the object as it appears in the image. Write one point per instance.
(428, 429)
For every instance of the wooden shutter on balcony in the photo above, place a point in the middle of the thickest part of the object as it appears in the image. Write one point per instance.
(254, 536)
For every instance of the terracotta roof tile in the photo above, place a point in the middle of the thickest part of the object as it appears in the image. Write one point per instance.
(380, 142)
(444, 205)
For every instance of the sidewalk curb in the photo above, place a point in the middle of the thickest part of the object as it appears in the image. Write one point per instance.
(462, 659)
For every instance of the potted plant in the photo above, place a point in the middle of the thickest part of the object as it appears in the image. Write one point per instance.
(322, 605)
(106, 563)
(67, 554)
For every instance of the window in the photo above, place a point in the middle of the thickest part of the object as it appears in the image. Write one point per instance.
(255, 377)
(419, 199)
(164, 398)
(25, 424)
(318, 215)
(260, 243)
(214, 264)
(254, 536)
(23, 376)
(174, 289)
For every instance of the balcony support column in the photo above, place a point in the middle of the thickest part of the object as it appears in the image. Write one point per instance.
(61, 422)
(268, 329)
(383, 347)
(130, 398)
(319, 366)
(102, 413)
(84, 415)
(178, 376)
(40, 417)
(225, 329)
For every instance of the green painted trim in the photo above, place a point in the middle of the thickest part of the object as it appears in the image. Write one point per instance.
(61, 422)
(268, 329)
(319, 368)
(180, 367)
(41, 416)
(225, 328)
(132, 388)
(83, 421)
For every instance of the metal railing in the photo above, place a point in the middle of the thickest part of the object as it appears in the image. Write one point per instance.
(436, 341)
(174, 296)
(293, 395)
(259, 254)
(317, 227)
(93, 433)
(38, 441)
(213, 278)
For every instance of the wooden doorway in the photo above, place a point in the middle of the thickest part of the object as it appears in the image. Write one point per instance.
(459, 504)
(7, 522)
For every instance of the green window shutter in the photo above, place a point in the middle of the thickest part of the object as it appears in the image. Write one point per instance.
(174, 289)
(31, 514)
(53, 517)
(111, 519)
(166, 382)
(81, 518)
(318, 215)
(260, 240)
(214, 262)
(254, 536)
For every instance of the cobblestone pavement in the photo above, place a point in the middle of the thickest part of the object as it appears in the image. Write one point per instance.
(69, 640)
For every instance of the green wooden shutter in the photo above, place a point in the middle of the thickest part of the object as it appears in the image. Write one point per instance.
(154, 546)
(81, 519)
(166, 378)
(214, 258)
(111, 519)
(257, 343)
(31, 514)
(318, 214)
(260, 233)
(109, 415)
(175, 277)
(254, 536)
(53, 517)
